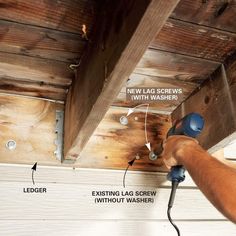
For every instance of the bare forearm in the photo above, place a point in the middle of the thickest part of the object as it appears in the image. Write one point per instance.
(216, 180)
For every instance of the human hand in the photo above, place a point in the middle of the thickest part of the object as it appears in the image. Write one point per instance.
(174, 147)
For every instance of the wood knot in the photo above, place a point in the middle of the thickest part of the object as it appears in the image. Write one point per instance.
(207, 99)
(221, 10)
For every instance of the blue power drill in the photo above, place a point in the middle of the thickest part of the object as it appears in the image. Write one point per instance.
(191, 125)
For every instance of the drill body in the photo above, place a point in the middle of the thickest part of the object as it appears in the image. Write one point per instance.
(191, 125)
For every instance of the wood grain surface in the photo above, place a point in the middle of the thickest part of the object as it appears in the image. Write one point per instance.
(40, 42)
(195, 40)
(33, 89)
(50, 30)
(25, 68)
(64, 15)
(217, 14)
(110, 59)
(31, 123)
(113, 144)
(215, 101)
(171, 65)
(30, 76)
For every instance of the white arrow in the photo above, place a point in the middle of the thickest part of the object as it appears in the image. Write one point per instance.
(148, 144)
(131, 110)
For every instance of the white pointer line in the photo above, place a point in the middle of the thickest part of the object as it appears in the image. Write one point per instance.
(145, 127)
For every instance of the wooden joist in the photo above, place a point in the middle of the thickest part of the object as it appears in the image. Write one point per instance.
(32, 89)
(110, 59)
(40, 42)
(63, 15)
(216, 101)
(27, 68)
(195, 40)
(30, 76)
(175, 66)
(217, 14)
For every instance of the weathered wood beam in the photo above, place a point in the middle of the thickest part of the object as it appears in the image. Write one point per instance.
(195, 40)
(34, 77)
(32, 89)
(123, 32)
(159, 68)
(216, 102)
(26, 68)
(63, 15)
(216, 14)
(40, 42)
(176, 66)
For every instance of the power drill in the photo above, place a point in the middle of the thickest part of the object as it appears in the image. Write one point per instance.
(191, 125)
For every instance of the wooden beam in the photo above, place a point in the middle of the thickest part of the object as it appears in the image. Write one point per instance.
(124, 31)
(63, 15)
(40, 42)
(32, 89)
(216, 14)
(195, 40)
(216, 102)
(34, 69)
(176, 66)
(30, 76)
